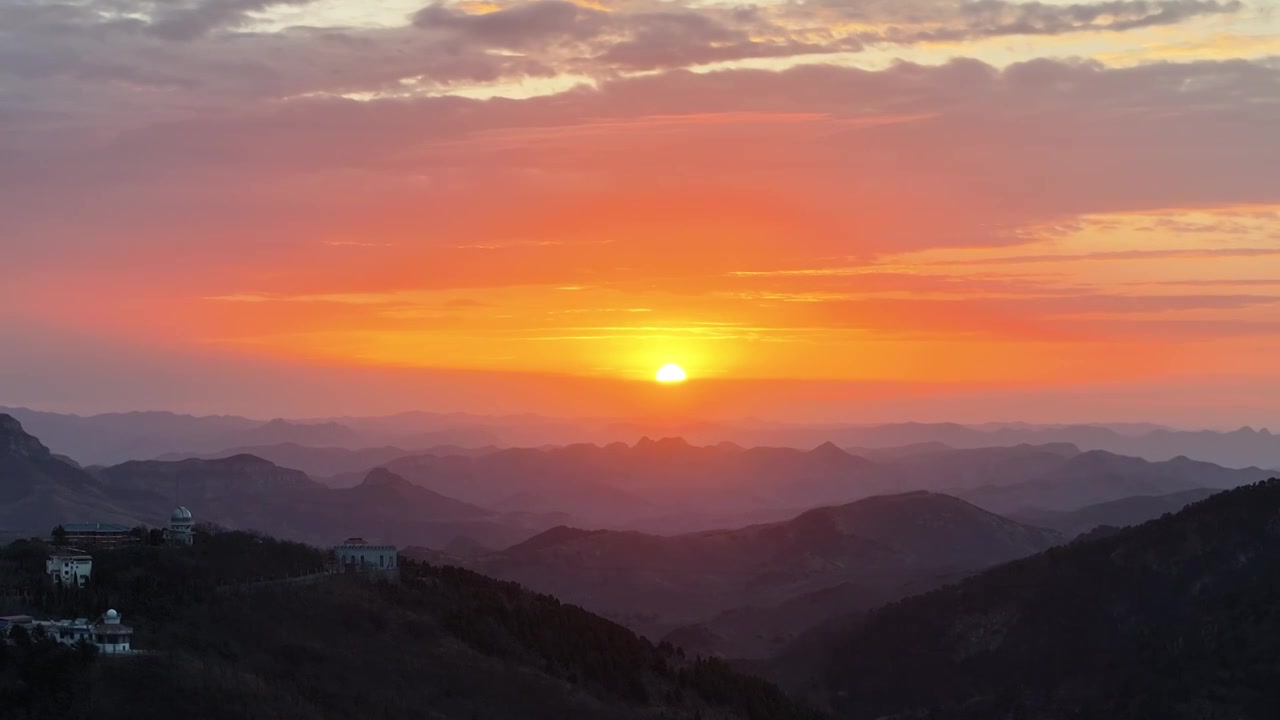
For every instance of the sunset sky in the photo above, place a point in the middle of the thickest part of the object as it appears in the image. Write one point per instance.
(858, 210)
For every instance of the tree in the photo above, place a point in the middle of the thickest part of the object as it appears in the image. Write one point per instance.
(59, 536)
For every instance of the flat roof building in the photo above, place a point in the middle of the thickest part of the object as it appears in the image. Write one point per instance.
(69, 567)
(357, 556)
(108, 634)
(107, 535)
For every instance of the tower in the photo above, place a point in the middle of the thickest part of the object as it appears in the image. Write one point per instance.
(180, 527)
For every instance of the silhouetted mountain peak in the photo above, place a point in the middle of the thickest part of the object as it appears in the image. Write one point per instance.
(666, 444)
(241, 460)
(16, 442)
(384, 478)
(829, 450)
(559, 535)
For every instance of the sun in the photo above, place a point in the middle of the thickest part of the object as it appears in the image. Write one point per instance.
(671, 373)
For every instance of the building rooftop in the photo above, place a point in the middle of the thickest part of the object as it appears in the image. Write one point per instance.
(70, 553)
(95, 528)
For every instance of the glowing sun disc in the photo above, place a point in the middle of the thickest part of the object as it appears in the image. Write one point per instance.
(671, 373)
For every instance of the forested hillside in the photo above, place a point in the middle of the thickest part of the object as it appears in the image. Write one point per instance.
(1174, 619)
(443, 643)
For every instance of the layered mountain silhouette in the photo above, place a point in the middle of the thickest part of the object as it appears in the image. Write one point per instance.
(884, 545)
(1095, 477)
(39, 491)
(670, 486)
(1176, 618)
(1114, 514)
(119, 437)
(116, 437)
(665, 484)
(322, 463)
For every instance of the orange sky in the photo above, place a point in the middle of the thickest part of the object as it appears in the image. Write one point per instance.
(996, 230)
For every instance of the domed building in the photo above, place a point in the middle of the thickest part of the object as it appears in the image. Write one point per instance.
(111, 637)
(181, 527)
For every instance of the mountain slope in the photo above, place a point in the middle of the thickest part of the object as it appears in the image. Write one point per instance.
(39, 490)
(655, 583)
(117, 437)
(1172, 619)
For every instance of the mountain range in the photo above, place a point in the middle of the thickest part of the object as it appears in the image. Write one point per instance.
(820, 532)
(502, 496)
(38, 490)
(117, 437)
(670, 486)
(918, 604)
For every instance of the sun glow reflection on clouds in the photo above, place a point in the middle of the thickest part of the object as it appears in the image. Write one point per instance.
(640, 196)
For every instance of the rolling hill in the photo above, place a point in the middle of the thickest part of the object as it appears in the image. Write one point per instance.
(656, 583)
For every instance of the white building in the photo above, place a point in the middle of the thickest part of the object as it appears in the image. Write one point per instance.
(181, 527)
(357, 556)
(68, 567)
(107, 634)
(111, 637)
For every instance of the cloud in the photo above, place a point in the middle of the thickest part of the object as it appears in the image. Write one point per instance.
(183, 21)
(669, 170)
(110, 62)
(328, 190)
(524, 25)
(993, 18)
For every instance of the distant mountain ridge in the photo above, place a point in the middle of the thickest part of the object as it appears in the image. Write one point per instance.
(322, 463)
(39, 491)
(1097, 476)
(670, 486)
(116, 437)
(1114, 513)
